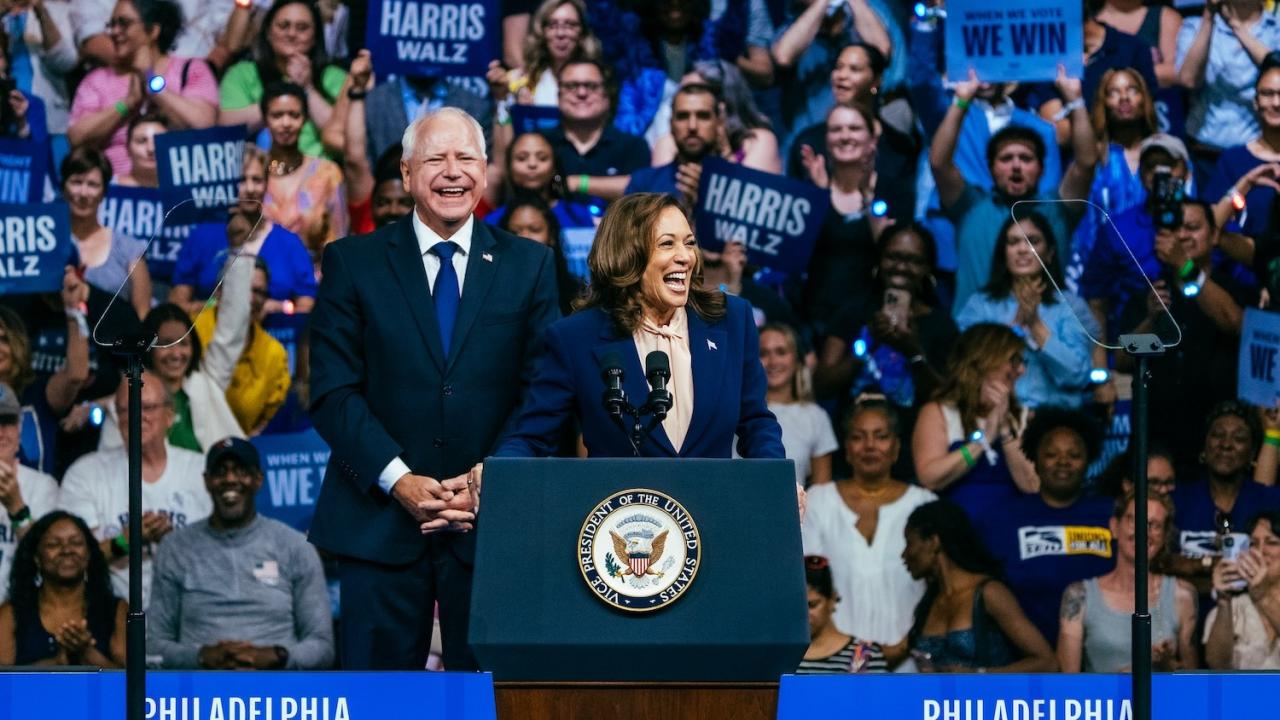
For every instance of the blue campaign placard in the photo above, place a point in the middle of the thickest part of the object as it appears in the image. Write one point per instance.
(138, 212)
(423, 37)
(210, 695)
(23, 167)
(1257, 373)
(36, 247)
(1192, 696)
(775, 217)
(534, 118)
(1021, 40)
(293, 467)
(200, 172)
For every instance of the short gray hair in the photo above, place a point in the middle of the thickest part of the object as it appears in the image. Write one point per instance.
(409, 141)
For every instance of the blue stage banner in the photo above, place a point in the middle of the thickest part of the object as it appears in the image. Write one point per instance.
(36, 248)
(200, 172)
(252, 695)
(1257, 374)
(1020, 40)
(775, 217)
(287, 329)
(1191, 696)
(139, 213)
(293, 466)
(419, 37)
(534, 118)
(23, 167)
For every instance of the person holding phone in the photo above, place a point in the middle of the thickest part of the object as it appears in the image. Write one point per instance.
(1024, 294)
(1241, 630)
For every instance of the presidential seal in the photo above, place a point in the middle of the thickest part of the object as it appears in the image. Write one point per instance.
(639, 550)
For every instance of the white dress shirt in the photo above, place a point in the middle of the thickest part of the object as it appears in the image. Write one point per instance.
(427, 239)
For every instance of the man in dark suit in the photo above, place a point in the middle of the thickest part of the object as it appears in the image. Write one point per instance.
(422, 340)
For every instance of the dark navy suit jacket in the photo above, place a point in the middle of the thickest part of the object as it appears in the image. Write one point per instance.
(728, 383)
(382, 387)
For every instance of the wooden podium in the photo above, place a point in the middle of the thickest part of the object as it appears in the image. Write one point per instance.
(641, 700)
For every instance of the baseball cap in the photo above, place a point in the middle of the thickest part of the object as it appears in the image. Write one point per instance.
(10, 408)
(240, 449)
(1174, 146)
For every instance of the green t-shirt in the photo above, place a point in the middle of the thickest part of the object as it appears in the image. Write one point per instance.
(241, 87)
(183, 433)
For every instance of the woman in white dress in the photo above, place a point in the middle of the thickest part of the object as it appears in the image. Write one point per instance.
(806, 428)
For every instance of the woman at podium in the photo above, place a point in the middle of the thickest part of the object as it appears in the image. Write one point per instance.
(652, 364)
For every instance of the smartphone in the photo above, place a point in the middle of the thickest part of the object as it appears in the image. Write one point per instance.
(1233, 546)
(897, 303)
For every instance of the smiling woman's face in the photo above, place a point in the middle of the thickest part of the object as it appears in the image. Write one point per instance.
(667, 277)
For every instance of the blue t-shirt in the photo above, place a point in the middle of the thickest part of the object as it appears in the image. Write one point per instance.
(661, 179)
(1195, 513)
(205, 252)
(1044, 549)
(1109, 273)
(1233, 164)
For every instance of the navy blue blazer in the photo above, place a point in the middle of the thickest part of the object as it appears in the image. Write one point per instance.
(382, 387)
(728, 384)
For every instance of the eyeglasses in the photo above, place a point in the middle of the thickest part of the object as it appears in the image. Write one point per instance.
(566, 25)
(123, 23)
(590, 87)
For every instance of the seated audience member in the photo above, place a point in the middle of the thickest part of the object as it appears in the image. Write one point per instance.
(1021, 294)
(142, 33)
(1241, 630)
(965, 444)
(747, 133)
(558, 33)
(967, 620)
(204, 253)
(107, 257)
(304, 193)
(1249, 172)
(1049, 540)
(1218, 60)
(289, 48)
(61, 609)
(1096, 616)
(172, 493)
(832, 652)
(532, 168)
(806, 428)
(904, 343)
(596, 157)
(529, 217)
(260, 381)
(1208, 305)
(238, 591)
(858, 524)
(1016, 158)
(1117, 480)
(25, 494)
(141, 145)
(844, 252)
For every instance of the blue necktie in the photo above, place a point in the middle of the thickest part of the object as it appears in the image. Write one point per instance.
(446, 292)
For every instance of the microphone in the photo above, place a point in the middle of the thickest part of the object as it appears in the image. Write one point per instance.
(657, 370)
(611, 372)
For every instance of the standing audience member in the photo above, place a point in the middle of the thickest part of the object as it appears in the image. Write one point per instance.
(40, 38)
(748, 135)
(832, 652)
(858, 524)
(61, 609)
(25, 494)
(142, 75)
(558, 33)
(1096, 616)
(1156, 26)
(172, 493)
(806, 428)
(239, 591)
(1251, 171)
(697, 125)
(1241, 630)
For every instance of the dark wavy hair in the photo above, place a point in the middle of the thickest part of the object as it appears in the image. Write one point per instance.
(162, 314)
(1000, 284)
(24, 593)
(165, 14)
(265, 58)
(623, 245)
(1235, 408)
(957, 538)
(817, 575)
(283, 88)
(1048, 419)
(568, 286)
(555, 189)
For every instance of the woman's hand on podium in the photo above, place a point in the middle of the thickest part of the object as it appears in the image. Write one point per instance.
(802, 499)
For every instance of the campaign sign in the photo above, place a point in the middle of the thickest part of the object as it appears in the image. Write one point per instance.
(417, 37)
(292, 467)
(23, 166)
(1018, 40)
(219, 695)
(1256, 371)
(1191, 696)
(776, 218)
(534, 118)
(35, 248)
(287, 328)
(139, 213)
(200, 172)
